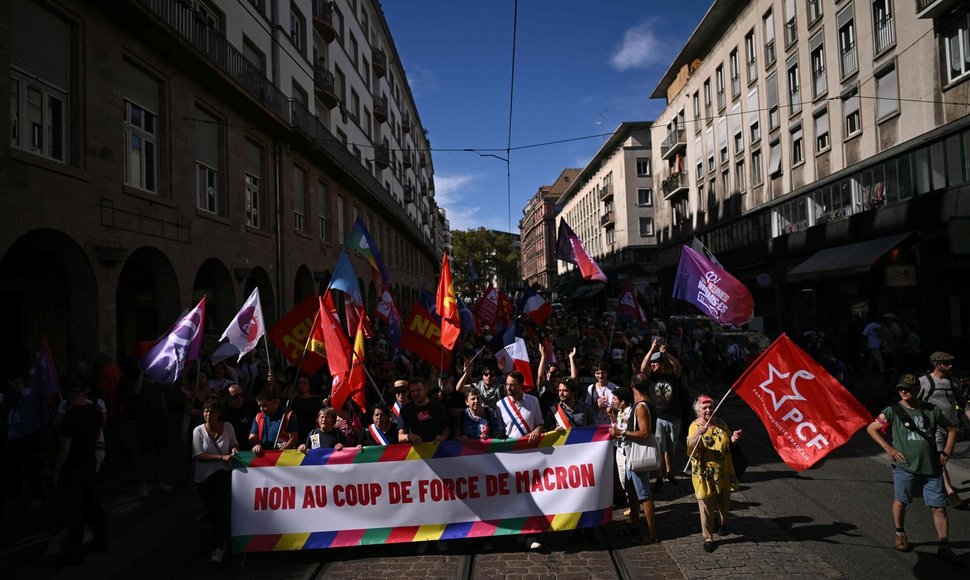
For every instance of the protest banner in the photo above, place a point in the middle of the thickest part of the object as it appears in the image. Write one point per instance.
(402, 493)
(290, 336)
(422, 336)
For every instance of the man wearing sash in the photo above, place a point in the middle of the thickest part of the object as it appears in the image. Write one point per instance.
(522, 417)
(569, 412)
(401, 397)
(382, 431)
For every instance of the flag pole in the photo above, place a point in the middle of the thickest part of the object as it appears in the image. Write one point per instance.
(698, 442)
(609, 349)
(269, 364)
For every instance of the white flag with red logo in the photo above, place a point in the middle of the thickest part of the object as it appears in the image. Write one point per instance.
(247, 327)
(807, 413)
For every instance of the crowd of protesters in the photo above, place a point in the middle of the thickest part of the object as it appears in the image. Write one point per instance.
(588, 369)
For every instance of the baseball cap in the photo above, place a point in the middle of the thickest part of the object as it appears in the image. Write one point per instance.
(655, 357)
(907, 382)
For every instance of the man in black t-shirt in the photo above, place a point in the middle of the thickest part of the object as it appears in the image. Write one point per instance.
(424, 420)
(75, 469)
(240, 413)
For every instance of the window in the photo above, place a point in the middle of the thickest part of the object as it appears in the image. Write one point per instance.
(207, 162)
(735, 74)
(850, 111)
(365, 70)
(956, 46)
(848, 60)
(141, 104)
(697, 111)
(774, 158)
(797, 146)
(887, 91)
(707, 100)
(252, 53)
(883, 30)
(710, 149)
(726, 182)
(739, 175)
(352, 49)
(354, 106)
(297, 28)
(794, 86)
(338, 23)
(299, 95)
(757, 176)
(736, 130)
(644, 197)
(771, 96)
(769, 24)
(753, 116)
(814, 11)
(821, 129)
(751, 57)
(722, 139)
(340, 219)
(791, 26)
(323, 210)
(40, 64)
(339, 85)
(253, 177)
(646, 227)
(719, 80)
(818, 66)
(643, 166)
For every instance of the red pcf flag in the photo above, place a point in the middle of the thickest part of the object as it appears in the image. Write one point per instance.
(806, 411)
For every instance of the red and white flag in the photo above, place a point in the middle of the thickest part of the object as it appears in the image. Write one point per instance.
(515, 356)
(807, 413)
(247, 327)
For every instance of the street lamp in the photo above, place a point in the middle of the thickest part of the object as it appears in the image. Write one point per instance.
(508, 178)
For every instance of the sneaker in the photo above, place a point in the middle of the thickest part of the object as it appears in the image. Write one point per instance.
(216, 556)
(533, 543)
(143, 490)
(671, 479)
(709, 546)
(946, 554)
(164, 486)
(902, 544)
(659, 485)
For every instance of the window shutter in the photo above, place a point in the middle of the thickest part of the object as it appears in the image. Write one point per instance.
(40, 43)
(141, 88)
(206, 139)
(736, 118)
(843, 17)
(254, 159)
(822, 122)
(753, 107)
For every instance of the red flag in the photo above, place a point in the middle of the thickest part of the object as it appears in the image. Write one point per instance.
(338, 346)
(422, 336)
(806, 411)
(487, 309)
(446, 306)
(504, 313)
(352, 382)
(291, 332)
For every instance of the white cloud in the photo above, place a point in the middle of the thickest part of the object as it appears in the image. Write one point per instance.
(448, 188)
(421, 80)
(640, 48)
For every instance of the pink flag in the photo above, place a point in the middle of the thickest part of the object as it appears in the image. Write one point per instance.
(628, 305)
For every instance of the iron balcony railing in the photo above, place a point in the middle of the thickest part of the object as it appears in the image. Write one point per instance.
(885, 33)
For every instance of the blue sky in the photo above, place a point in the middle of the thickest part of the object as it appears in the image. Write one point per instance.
(581, 68)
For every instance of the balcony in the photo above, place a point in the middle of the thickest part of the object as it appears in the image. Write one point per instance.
(378, 62)
(323, 20)
(735, 86)
(405, 122)
(608, 219)
(934, 8)
(850, 61)
(606, 192)
(380, 109)
(885, 33)
(678, 183)
(676, 142)
(323, 86)
(381, 157)
(408, 193)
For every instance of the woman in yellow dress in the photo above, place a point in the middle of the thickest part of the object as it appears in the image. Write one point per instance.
(712, 471)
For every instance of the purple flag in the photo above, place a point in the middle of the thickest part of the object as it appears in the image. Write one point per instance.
(29, 414)
(166, 360)
(710, 288)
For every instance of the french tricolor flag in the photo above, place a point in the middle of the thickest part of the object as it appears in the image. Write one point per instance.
(534, 306)
(516, 356)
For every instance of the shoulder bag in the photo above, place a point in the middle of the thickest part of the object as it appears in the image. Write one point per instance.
(642, 455)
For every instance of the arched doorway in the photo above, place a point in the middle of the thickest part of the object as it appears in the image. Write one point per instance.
(214, 282)
(48, 288)
(302, 285)
(148, 299)
(259, 277)
(325, 281)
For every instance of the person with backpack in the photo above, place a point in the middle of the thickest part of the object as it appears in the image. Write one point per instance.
(939, 388)
(917, 464)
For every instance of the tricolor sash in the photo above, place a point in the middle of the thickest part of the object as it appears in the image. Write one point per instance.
(562, 418)
(396, 409)
(377, 434)
(518, 421)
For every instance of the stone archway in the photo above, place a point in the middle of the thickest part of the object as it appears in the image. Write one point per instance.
(48, 288)
(213, 281)
(325, 281)
(259, 277)
(147, 298)
(302, 285)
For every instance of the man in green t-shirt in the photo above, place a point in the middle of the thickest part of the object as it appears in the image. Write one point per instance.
(916, 464)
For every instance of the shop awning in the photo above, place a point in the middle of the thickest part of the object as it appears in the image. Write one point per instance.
(848, 259)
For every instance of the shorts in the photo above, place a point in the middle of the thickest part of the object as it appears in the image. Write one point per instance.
(641, 484)
(906, 484)
(667, 432)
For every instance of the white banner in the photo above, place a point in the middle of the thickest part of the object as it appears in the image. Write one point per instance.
(573, 482)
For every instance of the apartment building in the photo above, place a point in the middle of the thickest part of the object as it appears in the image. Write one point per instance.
(537, 230)
(822, 151)
(610, 206)
(162, 150)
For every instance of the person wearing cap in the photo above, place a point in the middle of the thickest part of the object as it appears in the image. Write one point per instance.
(916, 462)
(663, 370)
(711, 468)
(939, 388)
(75, 470)
(402, 395)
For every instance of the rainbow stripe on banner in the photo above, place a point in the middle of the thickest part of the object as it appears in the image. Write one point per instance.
(543, 473)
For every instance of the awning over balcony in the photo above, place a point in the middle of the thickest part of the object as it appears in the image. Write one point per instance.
(844, 260)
